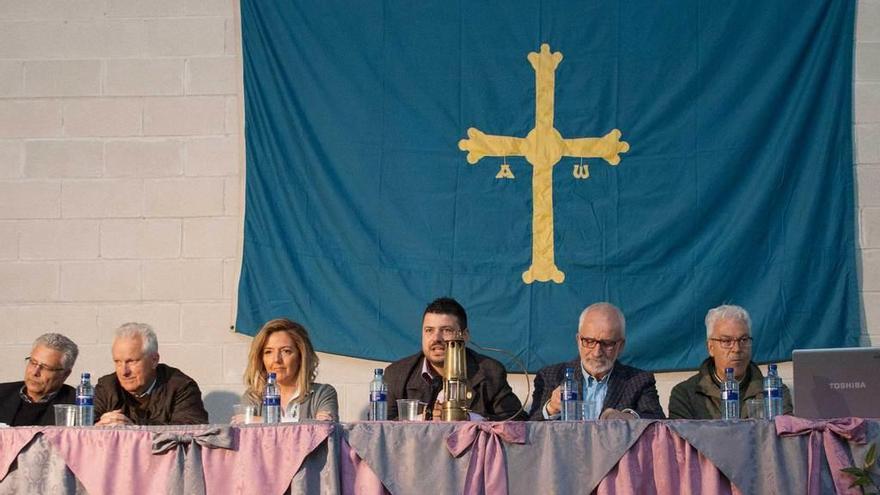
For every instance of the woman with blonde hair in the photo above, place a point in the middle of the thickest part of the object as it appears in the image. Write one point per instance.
(283, 347)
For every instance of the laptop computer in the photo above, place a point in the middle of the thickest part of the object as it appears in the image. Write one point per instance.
(837, 383)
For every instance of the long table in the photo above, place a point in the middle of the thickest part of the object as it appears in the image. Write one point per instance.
(790, 455)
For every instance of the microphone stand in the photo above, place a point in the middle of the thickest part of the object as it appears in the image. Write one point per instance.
(522, 407)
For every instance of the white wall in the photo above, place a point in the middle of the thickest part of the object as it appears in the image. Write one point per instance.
(121, 185)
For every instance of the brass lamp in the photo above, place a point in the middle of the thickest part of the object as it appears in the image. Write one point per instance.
(455, 386)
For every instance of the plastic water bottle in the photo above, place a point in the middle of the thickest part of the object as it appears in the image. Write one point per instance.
(772, 393)
(729, 396)
(378, 396)
(569, 396)
(271, 401)
(85, 401)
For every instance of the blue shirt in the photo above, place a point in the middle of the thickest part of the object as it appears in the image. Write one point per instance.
(593, 394)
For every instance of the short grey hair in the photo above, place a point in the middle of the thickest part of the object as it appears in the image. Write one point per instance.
(68, 348)
(605, 306)
(144, 332)
(727, 312)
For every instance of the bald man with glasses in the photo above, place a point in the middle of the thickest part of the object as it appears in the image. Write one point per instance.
(610, 389)
(29, 402)
(729, 342)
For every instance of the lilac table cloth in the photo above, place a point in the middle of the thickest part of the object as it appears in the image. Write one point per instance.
(607, 457)
(551, 457)
(828, 437)
(663, 463)
(120, 460)
(28, 465)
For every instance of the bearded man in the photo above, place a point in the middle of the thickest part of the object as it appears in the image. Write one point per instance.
(609, 389)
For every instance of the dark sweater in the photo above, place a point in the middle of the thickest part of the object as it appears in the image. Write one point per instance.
(15, 412)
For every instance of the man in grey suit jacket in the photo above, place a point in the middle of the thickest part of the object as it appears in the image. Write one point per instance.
(420, 376)
(612, 390)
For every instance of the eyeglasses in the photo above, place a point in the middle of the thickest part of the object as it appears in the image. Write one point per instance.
(36, 364)
(744, 342)
(588, 343)
(447, 332)
(451, 333)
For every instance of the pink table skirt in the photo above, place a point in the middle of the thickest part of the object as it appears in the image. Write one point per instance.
(121, 460)
(607, 457)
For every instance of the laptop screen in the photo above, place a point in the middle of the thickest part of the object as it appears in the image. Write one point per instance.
(837, 383)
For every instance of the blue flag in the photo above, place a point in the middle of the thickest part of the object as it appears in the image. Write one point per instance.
(531, 158)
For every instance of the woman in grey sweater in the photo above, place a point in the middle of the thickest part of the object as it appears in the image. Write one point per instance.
(283, 347)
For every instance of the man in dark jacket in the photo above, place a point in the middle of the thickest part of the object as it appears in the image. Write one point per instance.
(30, 402)
(420, 376)
(143, 391)
(610, 390)
(729, 342)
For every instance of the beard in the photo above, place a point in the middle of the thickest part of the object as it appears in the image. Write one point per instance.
(598, 366)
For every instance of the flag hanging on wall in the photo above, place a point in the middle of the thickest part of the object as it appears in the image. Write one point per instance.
(531, 158)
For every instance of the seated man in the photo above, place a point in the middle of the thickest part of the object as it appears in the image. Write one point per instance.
(616, 391)
(143, 391)
(729, 340)
(30, 402)
(420, 376)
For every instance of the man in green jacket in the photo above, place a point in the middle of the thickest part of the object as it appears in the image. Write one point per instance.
(729, 341)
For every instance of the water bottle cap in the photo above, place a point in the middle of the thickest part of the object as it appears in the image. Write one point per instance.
(271, 375)
(772, 366)
(728, 370)
(378, 371)
(87, 375)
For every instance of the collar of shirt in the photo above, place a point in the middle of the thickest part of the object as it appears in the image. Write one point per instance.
(26, 398)
(589, 380)
(718, 380)
(429, 376)
(428, 372)
(290, 412)
(148, 390)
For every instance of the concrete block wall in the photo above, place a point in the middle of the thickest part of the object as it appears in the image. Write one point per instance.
(121, 174)
(121, 180)
(867, 173)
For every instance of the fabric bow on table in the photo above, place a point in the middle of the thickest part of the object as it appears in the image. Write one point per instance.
(487, 470)
(831, 433)
(189, 477)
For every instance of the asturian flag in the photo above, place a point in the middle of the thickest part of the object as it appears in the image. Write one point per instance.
(531, 158)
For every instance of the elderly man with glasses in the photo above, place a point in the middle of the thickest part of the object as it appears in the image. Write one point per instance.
(608, 388)
(729, 341)
(29, 402)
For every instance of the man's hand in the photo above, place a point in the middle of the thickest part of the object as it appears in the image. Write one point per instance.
(554, 405)
(114, 418)
(615, 414)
